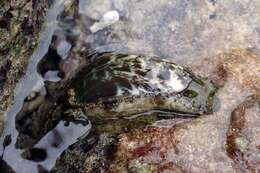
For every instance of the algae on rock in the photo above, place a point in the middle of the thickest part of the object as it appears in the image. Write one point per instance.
(20, 24)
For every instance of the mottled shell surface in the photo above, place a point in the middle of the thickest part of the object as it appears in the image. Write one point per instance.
(122, 85)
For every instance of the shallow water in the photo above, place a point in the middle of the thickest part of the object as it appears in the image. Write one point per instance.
(32, 81)
(180, 31)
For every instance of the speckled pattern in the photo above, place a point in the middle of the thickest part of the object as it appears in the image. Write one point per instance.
(187, 32)
(121, 85)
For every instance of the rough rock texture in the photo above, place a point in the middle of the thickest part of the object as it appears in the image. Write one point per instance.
(179, 30)
(243, 136)
(182, 31)
(186, 32)
(88, 155)
(20, 23)
(239, 65)
(227, 141)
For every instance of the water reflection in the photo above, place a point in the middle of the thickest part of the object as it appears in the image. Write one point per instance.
(173, 30)
(40, 153)
(47, 150)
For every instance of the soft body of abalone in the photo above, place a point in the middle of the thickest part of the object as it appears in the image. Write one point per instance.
(116, 85)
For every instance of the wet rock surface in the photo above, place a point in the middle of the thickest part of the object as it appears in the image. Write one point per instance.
(227, 141)
(179, 30)
(214, 39)
(87, 155)
(243, 136)
(20, 24)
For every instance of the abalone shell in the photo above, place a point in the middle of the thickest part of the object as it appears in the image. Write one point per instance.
(115, 85)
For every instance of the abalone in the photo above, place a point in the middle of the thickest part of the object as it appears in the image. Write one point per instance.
(115, 86)
(121, 85)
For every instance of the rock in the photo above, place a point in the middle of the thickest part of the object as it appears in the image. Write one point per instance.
(239, 65)
(146, 150)
(88, 155)
(181, 31)
(108, 18)
(20, 24)
(5, 167)
(243, 136)
(194, 145)
(184, 32)
(200, 145)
